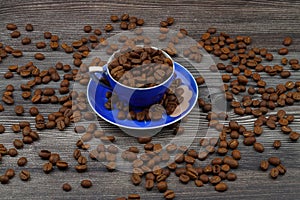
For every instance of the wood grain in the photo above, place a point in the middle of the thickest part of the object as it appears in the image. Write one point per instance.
(267, 22)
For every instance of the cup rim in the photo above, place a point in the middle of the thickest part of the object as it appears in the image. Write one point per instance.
(148, 88)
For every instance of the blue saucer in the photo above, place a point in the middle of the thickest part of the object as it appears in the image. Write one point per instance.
(96, 98)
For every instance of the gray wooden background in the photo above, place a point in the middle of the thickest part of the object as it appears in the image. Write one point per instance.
(267, 22)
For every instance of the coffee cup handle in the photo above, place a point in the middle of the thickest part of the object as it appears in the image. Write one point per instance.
(98, 72)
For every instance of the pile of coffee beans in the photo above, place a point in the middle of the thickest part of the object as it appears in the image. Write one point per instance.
(141, 67)
(245, 67)
(127, 22)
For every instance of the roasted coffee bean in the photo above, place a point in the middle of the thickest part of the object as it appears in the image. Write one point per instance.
(8, 75)
(15, 34)
(294, 136)
(54, 158)
(22, 161)
(144, 140)
(12, 152)
(114, 18)
(47, 167)
(1, 108)
(10, 173)
(2, 129)
(248, 141)
(108, 27)
(258, 147)
(45, 154)
(136, 179)
(287, 41)
(215, 180)
(169, 195)
(24, 175)
(26, 40)
(134, 197)
(76, 153)
(86, 183)
(274, 161)
(231, 176)
(19, 110)
(11, 26)
(82, 160)
(221, 187)
(81, 168)
(162, 186)
(184, 178)
(231, 162)
(149, 184)
(61, 125)
(4, 179)
(39, 56)
(18, 144)
(277, 144)
(199, 183)
(283, 51)
(66, 187)
(274, 173)
(40, 45)
(236, 154)
(62, 165)
(281, 169)
(27, 140)
(47, 35)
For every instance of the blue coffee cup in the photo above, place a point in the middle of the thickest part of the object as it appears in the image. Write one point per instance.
(137, 97)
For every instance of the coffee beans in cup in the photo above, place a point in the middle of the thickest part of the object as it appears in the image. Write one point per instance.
(141, 67)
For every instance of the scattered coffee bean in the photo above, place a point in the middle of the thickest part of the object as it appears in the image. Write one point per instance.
(15, 34)
(24, 175)
(29, 27)
(26, 40)
(134, 197)
(221, 187)
(287, 41)
(86, 183)
(162, 186)
(2, 129)
(66, 187)
(4, 179)
(294, 136)
(258, 147)
(47, 167)
(12, 152)
(19, 110)
(277, 144)
(169, 195)
(22, 161)
(62, 165)
(11, 27)
(10, 173)
(274, 161)
(45, 154)
(274, 173)
(54, 158)
(231, 176)
(281, 169)
(39, 56)
(184, 178)
(108, 27)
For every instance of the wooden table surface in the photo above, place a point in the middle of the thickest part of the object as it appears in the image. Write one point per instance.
(267, 22)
